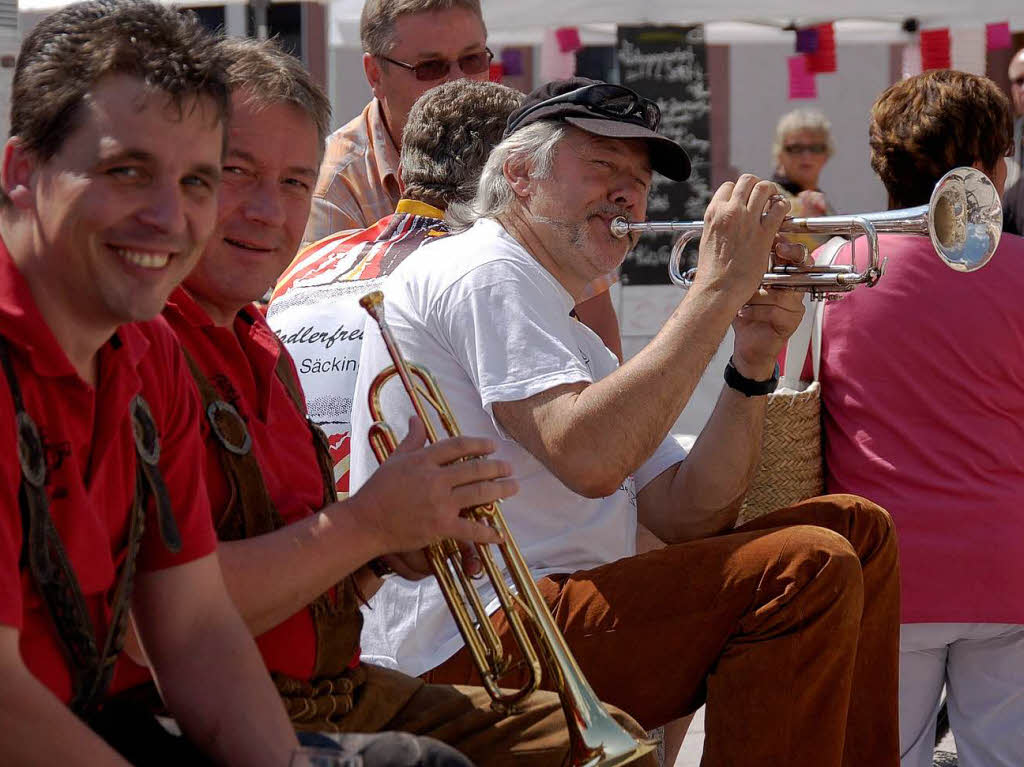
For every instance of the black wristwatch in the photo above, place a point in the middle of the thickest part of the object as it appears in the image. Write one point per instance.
(748, 386)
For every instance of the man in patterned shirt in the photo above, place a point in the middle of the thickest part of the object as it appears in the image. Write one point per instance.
(315, 307)
(409, 47)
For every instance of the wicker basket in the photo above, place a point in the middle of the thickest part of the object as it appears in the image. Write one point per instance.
(791, 461)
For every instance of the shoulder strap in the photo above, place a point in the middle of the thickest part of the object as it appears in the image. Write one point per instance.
(250, 512)
(44, 556)
(807, 336)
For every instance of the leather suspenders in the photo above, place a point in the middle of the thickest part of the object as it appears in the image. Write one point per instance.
(44, 556)
(251, 512)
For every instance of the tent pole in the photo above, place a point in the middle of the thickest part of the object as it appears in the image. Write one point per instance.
(259, 14)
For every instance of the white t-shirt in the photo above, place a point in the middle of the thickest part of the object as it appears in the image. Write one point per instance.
(492, 325)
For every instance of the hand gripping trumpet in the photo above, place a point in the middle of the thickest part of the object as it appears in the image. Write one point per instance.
(595, 737)
(964, 219)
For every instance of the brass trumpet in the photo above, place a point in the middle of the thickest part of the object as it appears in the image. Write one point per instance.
(595, 737)
(963, 218)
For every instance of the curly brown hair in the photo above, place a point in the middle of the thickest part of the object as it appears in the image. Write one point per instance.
(452, 129)
(68, 52)
(926, 125)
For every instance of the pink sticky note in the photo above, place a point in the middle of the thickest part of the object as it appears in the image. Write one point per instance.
(997, 36)
(568, 39)
(801, 80)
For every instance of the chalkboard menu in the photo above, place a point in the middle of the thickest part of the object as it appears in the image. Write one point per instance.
(669, 66)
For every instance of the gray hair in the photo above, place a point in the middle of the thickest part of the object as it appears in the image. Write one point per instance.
(534, 145)
(449, 134)
(377, 21)
(802, 119)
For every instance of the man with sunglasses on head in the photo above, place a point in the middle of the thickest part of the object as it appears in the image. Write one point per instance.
(786, 627)
(409, 46)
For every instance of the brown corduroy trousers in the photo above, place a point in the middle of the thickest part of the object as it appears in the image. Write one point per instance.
(787, 627)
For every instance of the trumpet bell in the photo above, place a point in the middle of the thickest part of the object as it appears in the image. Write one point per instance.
(966, 220)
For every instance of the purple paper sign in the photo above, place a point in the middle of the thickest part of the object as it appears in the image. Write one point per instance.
(807, 40)
(512, 61)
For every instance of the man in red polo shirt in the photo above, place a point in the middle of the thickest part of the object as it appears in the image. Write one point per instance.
(293, 559)
(109, 194)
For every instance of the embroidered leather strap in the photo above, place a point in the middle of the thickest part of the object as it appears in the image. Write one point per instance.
(250, 512)
(44, 556)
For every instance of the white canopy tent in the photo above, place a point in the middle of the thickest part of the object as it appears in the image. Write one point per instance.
(524, 21)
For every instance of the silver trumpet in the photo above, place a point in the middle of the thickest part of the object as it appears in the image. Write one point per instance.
(964, 219)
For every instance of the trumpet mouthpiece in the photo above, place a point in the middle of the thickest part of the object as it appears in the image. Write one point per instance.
(619, 227)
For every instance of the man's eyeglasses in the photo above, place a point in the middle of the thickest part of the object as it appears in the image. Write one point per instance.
(435, 69)
(805, 148)
(605, 99)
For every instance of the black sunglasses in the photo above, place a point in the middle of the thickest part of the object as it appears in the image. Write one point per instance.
(605, 99)
(805, 148)
(435, 69)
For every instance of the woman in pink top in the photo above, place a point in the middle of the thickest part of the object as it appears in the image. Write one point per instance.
(923, 385)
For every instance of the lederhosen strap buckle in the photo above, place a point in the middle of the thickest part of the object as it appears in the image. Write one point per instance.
(229, 428)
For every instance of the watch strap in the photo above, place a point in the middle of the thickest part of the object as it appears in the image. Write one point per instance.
(748, 386)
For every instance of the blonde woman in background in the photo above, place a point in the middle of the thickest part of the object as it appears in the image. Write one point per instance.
(802, 145)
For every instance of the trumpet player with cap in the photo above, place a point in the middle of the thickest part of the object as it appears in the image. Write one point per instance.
(921, 384)
(787, 628)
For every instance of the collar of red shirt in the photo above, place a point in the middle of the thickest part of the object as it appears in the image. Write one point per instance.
(25, 328)
(249, 323)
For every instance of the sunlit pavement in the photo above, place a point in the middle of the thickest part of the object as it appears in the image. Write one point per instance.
(693, 746)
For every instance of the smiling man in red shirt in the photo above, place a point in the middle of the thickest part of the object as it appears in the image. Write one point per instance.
(109, 194)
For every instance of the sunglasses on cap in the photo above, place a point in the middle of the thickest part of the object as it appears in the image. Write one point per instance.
(604, 100)
(435, 69)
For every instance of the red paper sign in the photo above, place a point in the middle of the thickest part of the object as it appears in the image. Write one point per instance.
(824, 58)
(568, 39)
(496, 72)
(801, 80)
(935, 49)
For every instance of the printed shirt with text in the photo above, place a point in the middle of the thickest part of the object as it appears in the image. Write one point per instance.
(315, 311)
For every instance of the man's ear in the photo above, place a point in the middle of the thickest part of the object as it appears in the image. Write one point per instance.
(517, 173)
(17, 174)
(373, 72)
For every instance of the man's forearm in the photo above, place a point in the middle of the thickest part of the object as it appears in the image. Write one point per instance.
(271, 577)
(208, 668)
(224, 700)
(701, 496)
(629, 412)
(37, 729)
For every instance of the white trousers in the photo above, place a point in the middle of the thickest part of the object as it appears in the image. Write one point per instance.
(982, 667)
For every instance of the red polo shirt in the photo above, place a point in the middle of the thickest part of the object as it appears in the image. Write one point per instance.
(90, 454)
(240, 363)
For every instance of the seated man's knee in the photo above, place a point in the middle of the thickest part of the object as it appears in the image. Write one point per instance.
(869, 526)
(821, 560)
